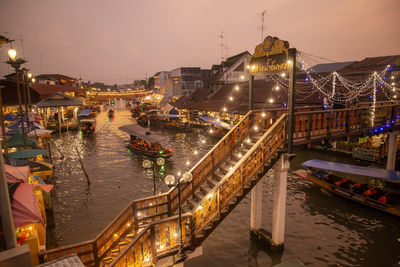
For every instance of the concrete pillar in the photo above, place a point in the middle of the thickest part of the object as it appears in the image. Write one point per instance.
(391, 160)
(5, 209)
(256, 206)
(281, 168)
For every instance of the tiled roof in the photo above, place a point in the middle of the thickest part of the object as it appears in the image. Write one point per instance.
(55, 76)
(48, 89)
(330, 67)
(371, 64)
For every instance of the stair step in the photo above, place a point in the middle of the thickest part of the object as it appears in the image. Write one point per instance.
(211, 183)
(186, 209)
(130, 236)
(191, 203)
(231, 162)
(123, 243)
(224, 169)
(249, 145)
(197, 197)
(204, 189)
(107, 259)
(218, 176)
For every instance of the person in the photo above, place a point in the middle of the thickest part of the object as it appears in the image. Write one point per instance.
(157, 146)
(382, 199)
(370, 192)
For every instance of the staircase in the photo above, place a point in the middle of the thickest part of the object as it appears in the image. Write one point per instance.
(229, 171)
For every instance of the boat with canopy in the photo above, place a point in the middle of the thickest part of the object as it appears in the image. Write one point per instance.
(218, 128)
(320, 173)
(170, 121)
(145, 142)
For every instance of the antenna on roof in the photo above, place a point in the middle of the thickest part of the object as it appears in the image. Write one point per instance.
(262, 24)
(222, 45)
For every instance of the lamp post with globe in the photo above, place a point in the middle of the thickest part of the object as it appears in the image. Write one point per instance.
(147, 164)
(16, 63)
(170, 181)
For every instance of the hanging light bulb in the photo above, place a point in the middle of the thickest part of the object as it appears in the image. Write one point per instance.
(218, 119)
(242, 77)
(263, 114)
(248, 66)
(277, 88)
(196, 152)
(211, 131)
(271, 100)
(283, 74)
(231, 98)
(203, 141)
(256, 128)
(237, 88)
(289, 62)
(187, 162)
(224, 109)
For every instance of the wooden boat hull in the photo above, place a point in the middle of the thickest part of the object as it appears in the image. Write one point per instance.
(152, 154)
(351, 195)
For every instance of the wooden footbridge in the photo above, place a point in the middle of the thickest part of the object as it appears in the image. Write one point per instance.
(148, 229)
(100, 96)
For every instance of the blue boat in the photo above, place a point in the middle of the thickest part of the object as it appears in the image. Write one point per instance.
(379, 198)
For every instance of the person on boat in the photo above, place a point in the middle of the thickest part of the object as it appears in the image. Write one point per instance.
(382, 199)
(342, 182)
(370, 192)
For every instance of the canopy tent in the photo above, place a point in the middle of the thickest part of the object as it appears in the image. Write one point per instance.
(24, 154)
(17, 141)
(16, 174)
(39, 133)
(85, 113)
(10, 117)
(172, 116)
(138, 131)
(353, 169)
(24, 204)
(59, 100)
(216, 122)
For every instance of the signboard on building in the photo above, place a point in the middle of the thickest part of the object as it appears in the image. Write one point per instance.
(270, 57)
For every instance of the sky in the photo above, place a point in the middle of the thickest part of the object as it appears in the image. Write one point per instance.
(118, 41)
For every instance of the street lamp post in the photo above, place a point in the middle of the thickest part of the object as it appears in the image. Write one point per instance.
(170, 181)
(16, 63)
(147, 164)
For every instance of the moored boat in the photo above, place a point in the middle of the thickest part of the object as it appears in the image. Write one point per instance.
(372, 196)
(170, 121)
(88, 126)
(145, 142)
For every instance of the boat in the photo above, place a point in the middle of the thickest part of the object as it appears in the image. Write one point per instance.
(88, 126)
(87, 113)
(218, 127)
(372, 196)
(170, 121)
(145, 142)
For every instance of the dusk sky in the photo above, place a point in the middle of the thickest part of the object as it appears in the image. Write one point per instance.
(120, 41)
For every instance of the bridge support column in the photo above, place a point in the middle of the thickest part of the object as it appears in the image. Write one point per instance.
(256, 206)
(276, 237)
(281, 168)
(391, 160)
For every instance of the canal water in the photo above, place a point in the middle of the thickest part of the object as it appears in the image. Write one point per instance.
(321, 229)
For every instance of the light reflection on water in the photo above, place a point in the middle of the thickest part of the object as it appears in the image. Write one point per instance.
(321, 230)
(116, 175)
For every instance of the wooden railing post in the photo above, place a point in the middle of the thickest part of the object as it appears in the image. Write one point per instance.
(347, 121)
(153, 248)
(309, 126)
(218, 202)
(96, 253)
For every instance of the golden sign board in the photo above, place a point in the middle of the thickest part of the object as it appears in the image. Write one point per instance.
(270, 57)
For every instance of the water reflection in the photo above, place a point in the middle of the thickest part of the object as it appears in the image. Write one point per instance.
(116, 174)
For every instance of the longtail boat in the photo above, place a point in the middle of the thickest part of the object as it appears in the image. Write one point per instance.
(378, 198)
(145, 142)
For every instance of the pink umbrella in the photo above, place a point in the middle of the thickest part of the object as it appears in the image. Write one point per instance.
(24, 206)
(17, 174)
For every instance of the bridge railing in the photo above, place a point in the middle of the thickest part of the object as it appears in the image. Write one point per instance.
(235, 181)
